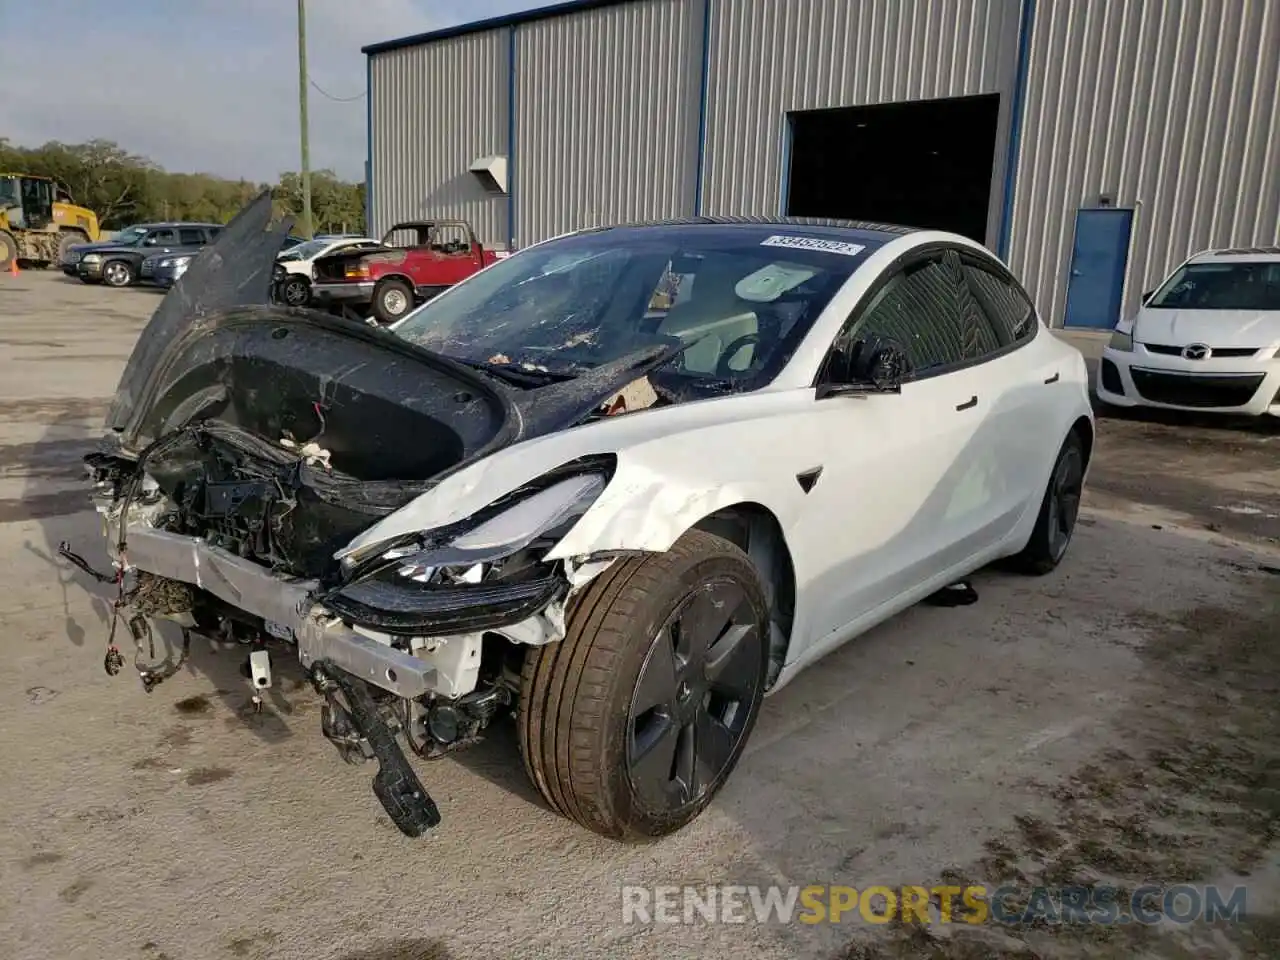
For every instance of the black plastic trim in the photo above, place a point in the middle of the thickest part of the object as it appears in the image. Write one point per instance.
(1110, 376)
(421, 610)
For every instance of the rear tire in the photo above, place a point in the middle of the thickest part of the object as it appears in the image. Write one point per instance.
(1059, 509)
(8, 252)
(633, 722)
(118, 273)
(391, 301)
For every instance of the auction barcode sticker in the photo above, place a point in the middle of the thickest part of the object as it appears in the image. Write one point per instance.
(814, 243)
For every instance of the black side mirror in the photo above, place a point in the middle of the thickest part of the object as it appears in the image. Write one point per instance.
(870, 365)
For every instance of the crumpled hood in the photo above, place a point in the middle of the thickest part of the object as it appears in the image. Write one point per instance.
(290, 431)
(233, 271)
(216, 346)
(332, 266)
(1215, 328)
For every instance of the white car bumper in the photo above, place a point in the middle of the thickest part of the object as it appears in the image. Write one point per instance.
(1143, 377)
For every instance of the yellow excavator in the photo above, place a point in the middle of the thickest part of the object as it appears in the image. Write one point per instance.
(39, 220)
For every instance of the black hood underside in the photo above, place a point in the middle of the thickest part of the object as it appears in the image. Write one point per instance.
(288, 431)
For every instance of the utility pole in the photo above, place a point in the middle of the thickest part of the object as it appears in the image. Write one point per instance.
(305, 226)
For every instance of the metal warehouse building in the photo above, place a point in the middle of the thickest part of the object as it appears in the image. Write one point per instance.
(1092, 143)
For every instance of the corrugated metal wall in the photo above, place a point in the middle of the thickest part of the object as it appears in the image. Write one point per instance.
(1168, 106)
(434, 109)
(769, 57)
(607, 105)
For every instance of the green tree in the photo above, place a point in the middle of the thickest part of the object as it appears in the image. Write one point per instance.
(336, 206)
(123, 188)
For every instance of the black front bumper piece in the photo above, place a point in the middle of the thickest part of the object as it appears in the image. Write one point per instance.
(403, 611)
(395, 784)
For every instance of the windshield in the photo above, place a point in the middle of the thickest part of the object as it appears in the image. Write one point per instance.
(741, 297)
(1238, 285)
(129, 236)
(8, 192)
(305, 251)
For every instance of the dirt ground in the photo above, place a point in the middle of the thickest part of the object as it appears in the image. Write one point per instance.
(1115, 722)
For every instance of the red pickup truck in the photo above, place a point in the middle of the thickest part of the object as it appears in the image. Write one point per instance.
(415, 261)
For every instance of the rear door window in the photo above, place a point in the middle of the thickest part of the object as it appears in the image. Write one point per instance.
(191, 237)
(1008, 310)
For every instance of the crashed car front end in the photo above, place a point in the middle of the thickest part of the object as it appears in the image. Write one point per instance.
(410, 638)
(252, 450)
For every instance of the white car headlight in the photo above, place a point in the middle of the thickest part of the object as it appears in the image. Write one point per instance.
(175, 261)
(505, 533)
(1121, 340)
(474, 575)
(91, 258)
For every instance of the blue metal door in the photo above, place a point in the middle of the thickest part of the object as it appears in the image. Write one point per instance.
(1098, 261)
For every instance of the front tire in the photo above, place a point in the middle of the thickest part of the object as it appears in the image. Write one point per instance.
(8, 252)
(295, 291)
(633, 722)
(391, 301)
(1059, 509)
(67, 240)
(117, 273)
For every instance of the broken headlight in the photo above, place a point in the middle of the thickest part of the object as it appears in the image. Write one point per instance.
(482, 574)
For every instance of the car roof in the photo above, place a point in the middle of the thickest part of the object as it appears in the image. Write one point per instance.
(171, 223)
(1238, 255)
(866, 232)
(821, 227)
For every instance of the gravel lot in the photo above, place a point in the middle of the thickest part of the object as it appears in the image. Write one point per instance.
(1116, 721)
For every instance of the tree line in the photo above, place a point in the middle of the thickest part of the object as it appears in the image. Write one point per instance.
(124, 188)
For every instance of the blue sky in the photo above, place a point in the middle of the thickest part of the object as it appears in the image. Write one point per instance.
(204, 85)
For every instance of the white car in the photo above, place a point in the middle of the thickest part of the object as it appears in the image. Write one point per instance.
(1207, 340)
(621, 484)
(295, 286)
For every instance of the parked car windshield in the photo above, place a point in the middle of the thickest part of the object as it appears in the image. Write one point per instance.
(306, 250)
(1236, 285)
(129, 236)
(740, 297)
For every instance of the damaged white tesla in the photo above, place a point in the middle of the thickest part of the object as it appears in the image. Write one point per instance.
(620, 485)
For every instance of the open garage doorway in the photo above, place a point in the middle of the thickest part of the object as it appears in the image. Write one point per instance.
(924, 163)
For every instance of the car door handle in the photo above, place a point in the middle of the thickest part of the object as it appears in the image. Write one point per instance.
(1053, 379)
(968, 404)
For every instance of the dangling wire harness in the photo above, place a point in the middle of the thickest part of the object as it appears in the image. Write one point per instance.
(141, 595)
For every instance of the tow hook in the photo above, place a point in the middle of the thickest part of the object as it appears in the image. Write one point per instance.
(360, 732)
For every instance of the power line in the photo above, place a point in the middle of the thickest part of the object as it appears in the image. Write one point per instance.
(325, 93)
